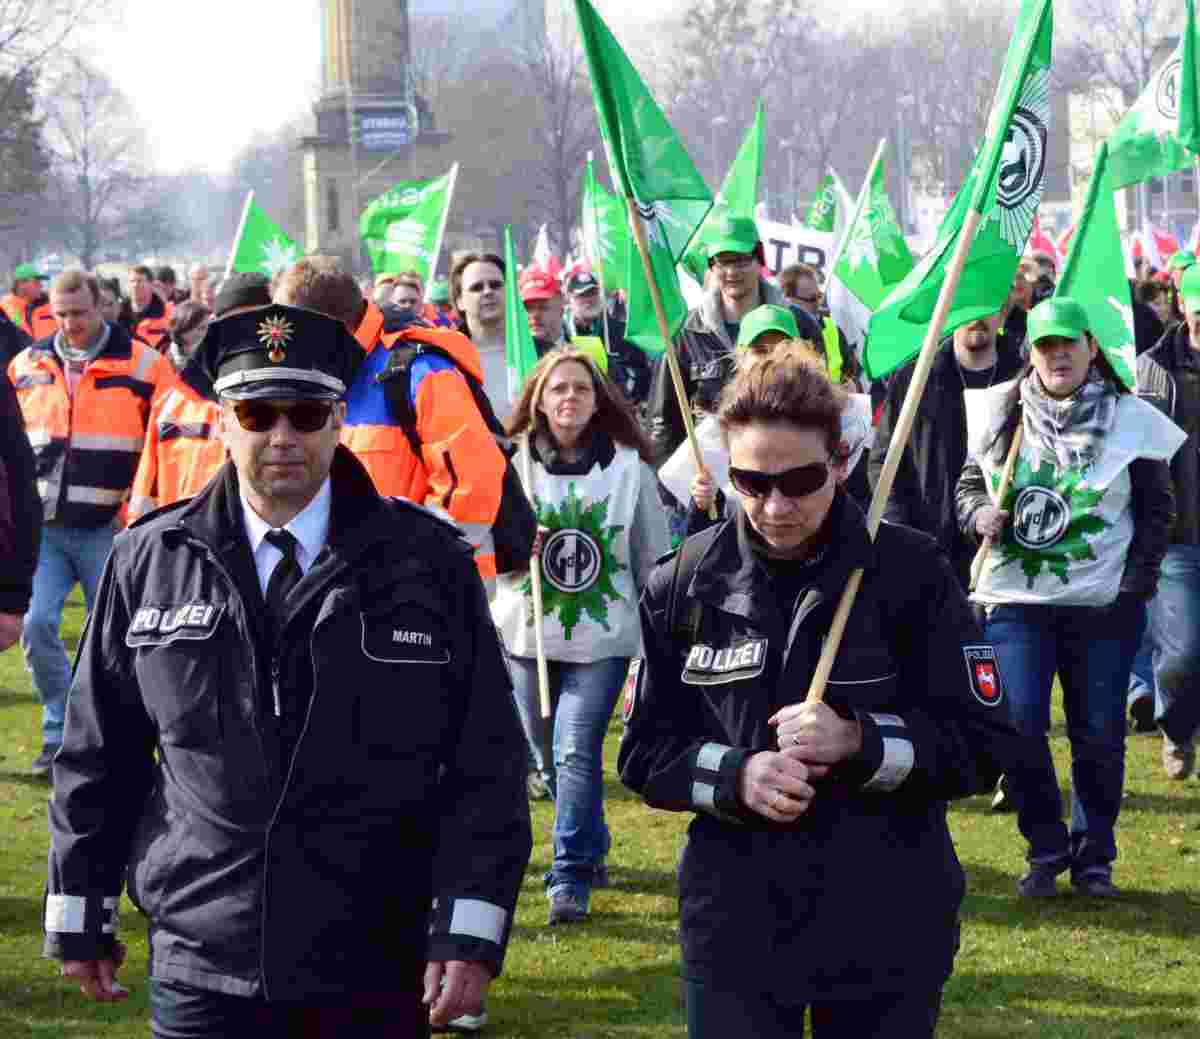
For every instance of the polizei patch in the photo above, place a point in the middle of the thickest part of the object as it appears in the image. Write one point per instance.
(629, 694)
(714, 665)
(983, 672)
(161, 625)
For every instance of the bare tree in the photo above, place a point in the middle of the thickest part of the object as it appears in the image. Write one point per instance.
(97, 147)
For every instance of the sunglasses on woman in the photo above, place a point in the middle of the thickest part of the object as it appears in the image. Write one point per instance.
(792, 483)
(260, 416)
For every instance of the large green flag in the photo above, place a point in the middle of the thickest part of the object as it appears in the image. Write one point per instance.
(822, 210)
(403, 227)
(520, 355)
(1004, 186)
(874, 257)
(650, 167)
(261, 247)
(1094, 273)
(1161, 132)
(605, 232)
(738, 196)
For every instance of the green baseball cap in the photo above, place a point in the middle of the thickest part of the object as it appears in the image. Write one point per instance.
(1181, 260)
(439, 291)
(1057, 316)
(1189, 288)
(733, 234)
(25, 271)
(767, 318)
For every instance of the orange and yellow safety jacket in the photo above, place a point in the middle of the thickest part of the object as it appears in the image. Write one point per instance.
(182, 450)
(87, 447)
(35, 319)
(460, 470)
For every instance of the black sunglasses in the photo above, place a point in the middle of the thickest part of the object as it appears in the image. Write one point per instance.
(260, 416)
(792, 483)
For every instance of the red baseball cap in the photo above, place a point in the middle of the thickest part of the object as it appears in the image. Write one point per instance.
(537, 284)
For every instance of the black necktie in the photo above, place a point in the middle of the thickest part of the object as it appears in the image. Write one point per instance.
(284, 577)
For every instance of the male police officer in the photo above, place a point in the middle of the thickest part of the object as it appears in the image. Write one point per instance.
(290, 734)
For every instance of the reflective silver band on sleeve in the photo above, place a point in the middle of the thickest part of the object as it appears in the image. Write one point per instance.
(710, 756)
(65, 914)
(704, 799)
(478, 919)
(887, 720)
(898, 760)
(112, 919)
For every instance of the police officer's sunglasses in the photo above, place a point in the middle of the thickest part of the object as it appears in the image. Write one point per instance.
(792, 483)
(260, 416)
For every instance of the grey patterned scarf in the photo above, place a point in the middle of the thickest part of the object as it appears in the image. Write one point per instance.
(1070, 431)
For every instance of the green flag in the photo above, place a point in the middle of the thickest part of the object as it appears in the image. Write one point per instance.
(261, 247)
(1004, 186)
(403, 227)
(1161, 132)
(520, 355)
(738, 195)
(1094, 274)
(822, 210)
(874, 257)
(605, 232)
(650, 167)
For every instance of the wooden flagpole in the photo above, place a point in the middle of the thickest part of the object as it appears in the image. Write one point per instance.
(639, 235)
(535, 583)
(237, 235)
(908, 414)
(1006, 478)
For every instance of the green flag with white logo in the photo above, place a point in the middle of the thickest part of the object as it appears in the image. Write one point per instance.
(822, 210)
(874, 257)
(1161, 132)
(402, 228)
(1004, 186)
(738, 195)
(261, 247)
(650, 167)
(605, 232)
(1094, 274)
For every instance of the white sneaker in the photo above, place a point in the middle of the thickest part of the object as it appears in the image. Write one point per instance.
(469, 1023)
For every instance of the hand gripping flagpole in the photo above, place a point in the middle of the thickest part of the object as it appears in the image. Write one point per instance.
(685, 409)
(908, 414)
(535, 583)
(1006, 478)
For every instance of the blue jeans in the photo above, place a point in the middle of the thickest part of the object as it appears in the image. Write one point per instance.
(1175, 620)
(1092, 650)
(584, 696)
(1141, 676)
(68, 555)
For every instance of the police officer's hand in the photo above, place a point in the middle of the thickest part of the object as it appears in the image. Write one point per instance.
(10, 629)
(775, 786)
(98, 978)
(989, 521)
(815, 734)
(453, 989)
(704, 491)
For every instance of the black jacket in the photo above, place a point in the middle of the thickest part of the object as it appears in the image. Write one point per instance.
(628, 365)
(18, 560)
(862, 893)
(923, 494)
(12, 340)
(1150, 500)
(309, 875)
(1169, 377)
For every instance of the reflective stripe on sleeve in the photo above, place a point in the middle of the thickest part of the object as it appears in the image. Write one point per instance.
(478, 919)
(704, 799)
(104, 442)
(710, 756)
(112, 919)
(95, 496)
(899, 756)
(146, 361)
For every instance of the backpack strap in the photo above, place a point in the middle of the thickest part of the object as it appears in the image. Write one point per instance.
(686, 629)
(396, 381)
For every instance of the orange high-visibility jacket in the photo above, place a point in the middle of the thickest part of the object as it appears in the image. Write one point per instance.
(87, 449)
(182, 450)
(154, 323)
(461, 468)
(35, 319)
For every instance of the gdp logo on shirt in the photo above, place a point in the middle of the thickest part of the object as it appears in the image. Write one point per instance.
(571, 560)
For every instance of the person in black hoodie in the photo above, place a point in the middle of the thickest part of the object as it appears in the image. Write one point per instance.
(923, 494)
(20, 517)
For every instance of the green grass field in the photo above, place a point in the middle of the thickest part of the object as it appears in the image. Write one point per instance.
(1073, 968)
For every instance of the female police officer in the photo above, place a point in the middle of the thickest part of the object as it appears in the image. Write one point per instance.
(819, 870)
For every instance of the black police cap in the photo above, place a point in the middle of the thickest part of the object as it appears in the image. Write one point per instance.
(279, 352)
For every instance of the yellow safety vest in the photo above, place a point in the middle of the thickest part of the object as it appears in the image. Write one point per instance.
(833, 349)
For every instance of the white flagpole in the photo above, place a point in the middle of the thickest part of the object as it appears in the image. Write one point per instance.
(238, 235)
(437, 250)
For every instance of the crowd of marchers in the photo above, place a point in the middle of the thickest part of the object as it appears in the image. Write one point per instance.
(128, 409)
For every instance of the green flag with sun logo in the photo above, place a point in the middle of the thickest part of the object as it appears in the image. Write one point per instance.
(1004, 186)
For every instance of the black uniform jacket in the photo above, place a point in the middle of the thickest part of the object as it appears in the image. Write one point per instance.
(861, 894)
(306, 874)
